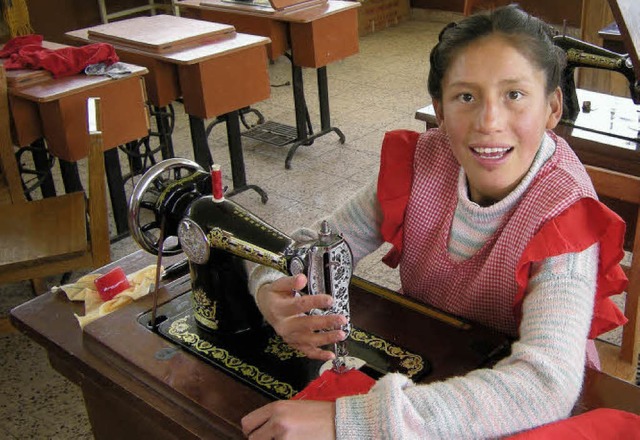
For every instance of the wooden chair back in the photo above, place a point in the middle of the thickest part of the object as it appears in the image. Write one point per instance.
(54, 235)
(10, 183)
(623, 361)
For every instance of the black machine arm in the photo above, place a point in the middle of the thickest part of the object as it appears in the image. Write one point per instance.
(582, 54)
(218, 235)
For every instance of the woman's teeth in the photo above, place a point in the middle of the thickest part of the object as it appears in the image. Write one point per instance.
(491, 152)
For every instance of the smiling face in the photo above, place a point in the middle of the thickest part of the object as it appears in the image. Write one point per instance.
(495, 110)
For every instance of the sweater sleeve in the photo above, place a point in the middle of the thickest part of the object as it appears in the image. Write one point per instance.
(537, 384)
(358, 220)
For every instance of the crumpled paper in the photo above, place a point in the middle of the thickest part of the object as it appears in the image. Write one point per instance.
(84, 289)
(114, 71)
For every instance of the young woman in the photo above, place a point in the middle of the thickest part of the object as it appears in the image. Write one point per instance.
(492, 218)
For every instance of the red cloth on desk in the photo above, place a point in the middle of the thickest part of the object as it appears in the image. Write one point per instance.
(331, 386)
(15, 44)
(28, 53)
(599, 424)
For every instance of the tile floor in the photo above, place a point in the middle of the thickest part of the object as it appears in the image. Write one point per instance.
(374, 91)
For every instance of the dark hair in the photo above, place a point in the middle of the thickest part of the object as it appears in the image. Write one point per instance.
(529, 35)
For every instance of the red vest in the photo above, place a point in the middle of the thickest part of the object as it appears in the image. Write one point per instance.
(559, 213)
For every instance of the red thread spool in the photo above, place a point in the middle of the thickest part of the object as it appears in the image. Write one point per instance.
(216, 183)
(111, 283)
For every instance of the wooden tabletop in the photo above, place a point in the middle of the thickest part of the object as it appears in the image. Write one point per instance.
(158, 33)
(54, 89)
(27, 77)
(303, 15)
(154, 388)
(206, 49)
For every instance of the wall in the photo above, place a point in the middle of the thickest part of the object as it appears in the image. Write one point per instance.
(553, 11)
(374, 15)
(52, 18)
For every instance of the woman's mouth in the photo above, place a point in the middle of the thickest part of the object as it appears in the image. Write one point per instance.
(491, 153)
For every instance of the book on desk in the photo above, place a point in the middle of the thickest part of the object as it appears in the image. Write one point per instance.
(263, 6)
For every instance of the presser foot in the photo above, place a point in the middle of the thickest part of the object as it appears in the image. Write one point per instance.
(347, 363)
(342, 362)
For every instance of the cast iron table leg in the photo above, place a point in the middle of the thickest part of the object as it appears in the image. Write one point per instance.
(72, 183)
(325, 118)
(201, 153)
(41, 162)
(237, 158)
(116, 190)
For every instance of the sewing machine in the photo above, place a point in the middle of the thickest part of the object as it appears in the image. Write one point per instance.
(179, 207)
(582, 54)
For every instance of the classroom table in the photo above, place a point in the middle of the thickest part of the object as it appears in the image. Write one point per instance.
(137, 384)
(315, 36)
(216, 76)
(54, 110)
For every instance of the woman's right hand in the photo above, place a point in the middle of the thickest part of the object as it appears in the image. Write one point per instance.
(286, 312)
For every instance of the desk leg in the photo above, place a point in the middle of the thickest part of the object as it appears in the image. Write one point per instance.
(201, 153)
(70, 176)
(164, 124)
(42, 165)
(237, 158)
(323, 97)
(72, 183)
(300, 105)
(116, 190)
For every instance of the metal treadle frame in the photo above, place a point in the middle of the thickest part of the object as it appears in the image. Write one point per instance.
(273, 133)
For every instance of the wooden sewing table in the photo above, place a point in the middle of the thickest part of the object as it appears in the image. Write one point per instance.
(216, 76)
(316, 36)
(138, 385)
(55, 110)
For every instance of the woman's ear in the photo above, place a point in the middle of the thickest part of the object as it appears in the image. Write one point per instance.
(555, 108)
(437, 107)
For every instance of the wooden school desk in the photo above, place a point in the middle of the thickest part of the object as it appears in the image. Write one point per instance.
(55, 110)
(216, 75)
(316, 36)
(138, 385)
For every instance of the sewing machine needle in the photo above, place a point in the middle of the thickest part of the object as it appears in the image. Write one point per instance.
(339, 362)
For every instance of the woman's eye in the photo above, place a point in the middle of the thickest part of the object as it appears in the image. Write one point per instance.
(465, 97)
(514, 95)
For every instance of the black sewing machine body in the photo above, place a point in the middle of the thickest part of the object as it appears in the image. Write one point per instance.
(582, 54)
(219, 235)
(222, 323)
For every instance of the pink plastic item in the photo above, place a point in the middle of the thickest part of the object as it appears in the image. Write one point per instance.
(112, 283)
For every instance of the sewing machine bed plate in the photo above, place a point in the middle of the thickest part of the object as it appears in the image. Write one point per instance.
(264, 361)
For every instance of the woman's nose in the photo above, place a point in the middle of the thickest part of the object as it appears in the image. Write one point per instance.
(490, 116)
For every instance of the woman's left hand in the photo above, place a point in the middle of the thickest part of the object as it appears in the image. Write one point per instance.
(291, 419)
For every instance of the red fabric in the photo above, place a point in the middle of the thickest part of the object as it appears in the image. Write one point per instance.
(61, 62)
(599, 424)
(581, 225)
(331, 386)
(16, 43)
(394, 187)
